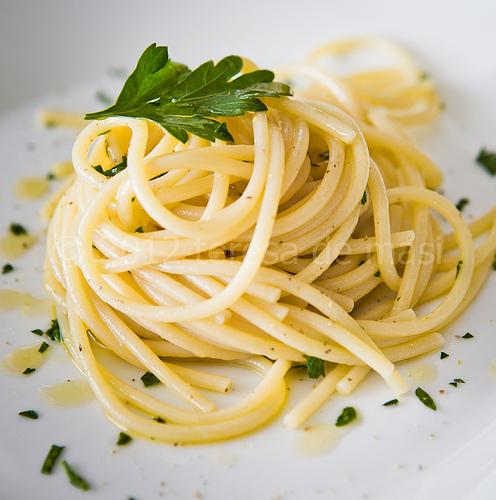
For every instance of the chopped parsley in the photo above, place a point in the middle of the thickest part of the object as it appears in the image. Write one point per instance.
(487, 160)
(149, 379)
(364, 198)
(160, 420)
(38, 332)
(425, 398)
(75, 479)
(391, 403)
(43, 347)
(112, 171)
(123, 439)
(315, 366)
(139, 230)
(29, 414)
(187, 102)
(456, 382)
(27, 371)
(51, 458)
(377, 274)
(462, 203)
(444, 355)
(7, 268)
(458, 267)
(347, 415)
(53, 333)
(17, 229)
(468, 335)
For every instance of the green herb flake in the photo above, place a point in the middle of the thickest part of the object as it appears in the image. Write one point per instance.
(454, 384)
(138, 230)
(425, 398)
(7, 268)
(149, 379)
(74, 478)
(27, 371)
(458, 267)
(487, 160)
(377, 274)
(459, 381)
(315, 366)
(51, 176)
(53, 333)
(462, 203)
(364, 198)
(38, 332)
(29, 414)
(391, 403)
(186, 102)
(444, 355)
(111, 172)
(43, 347)
(160, 420)
(468, 335)
(347, 415)
(17, 229)
(51, 458)
(123, 439)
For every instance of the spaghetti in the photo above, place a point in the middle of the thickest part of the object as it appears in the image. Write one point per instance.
(312, 234)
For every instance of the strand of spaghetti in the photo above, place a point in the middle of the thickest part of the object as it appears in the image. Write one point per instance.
(331, 251)
(379, 139)
(250, 264)
(331, 123)
(314, 399)
(452, 300)
(272, 375)
(125, 336)
(130, 422)
(382, 229)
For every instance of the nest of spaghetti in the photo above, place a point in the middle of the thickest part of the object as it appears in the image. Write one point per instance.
(315, 235)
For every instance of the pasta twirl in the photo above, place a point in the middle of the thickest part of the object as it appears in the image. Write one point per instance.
(315, 233)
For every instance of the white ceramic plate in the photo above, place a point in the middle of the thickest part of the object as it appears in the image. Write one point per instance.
(60, 54)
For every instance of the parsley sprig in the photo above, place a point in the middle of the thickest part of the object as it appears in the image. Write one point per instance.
(184, 101)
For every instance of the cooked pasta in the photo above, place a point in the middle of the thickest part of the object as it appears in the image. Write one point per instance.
(314, 234)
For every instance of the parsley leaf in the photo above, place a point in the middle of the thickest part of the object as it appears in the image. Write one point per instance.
(7, 268)
(53, 333)
(184, 101)
(391, 402)
(425, 398)
(123, 439)
(487, 160)
(149, 379)
(17, 229)
(462, 203)
(29, 414)
(51, 458)
(114, 170)
(315, 366)
(347, 415)
(75, 479)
